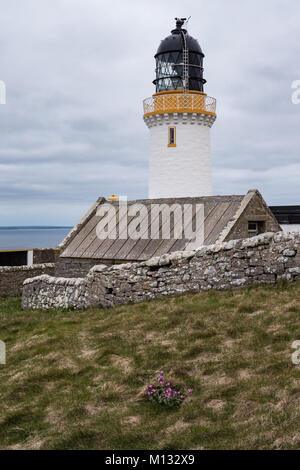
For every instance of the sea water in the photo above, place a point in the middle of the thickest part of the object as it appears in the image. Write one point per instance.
(18, 238)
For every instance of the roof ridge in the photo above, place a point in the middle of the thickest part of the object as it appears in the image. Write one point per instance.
(87, 216)
(244, 204)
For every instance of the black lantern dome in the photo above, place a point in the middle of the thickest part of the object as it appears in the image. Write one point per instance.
(170, 61)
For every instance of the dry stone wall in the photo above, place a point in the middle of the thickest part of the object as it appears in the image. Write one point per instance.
(266, 258)
(12, 277)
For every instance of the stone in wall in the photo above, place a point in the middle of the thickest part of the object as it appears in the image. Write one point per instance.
(266, 258)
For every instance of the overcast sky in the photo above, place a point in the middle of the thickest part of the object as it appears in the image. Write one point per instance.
(76, 73)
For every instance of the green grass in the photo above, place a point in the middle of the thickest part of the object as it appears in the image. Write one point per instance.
(75, 379)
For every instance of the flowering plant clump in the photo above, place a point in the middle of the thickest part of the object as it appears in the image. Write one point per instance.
(165, 393)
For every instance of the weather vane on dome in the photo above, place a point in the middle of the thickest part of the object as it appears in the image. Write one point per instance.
(181, 21)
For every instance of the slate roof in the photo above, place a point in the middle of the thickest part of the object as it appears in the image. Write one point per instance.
(220, 214)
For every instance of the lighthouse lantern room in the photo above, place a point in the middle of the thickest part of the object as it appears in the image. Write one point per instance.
(179, 116)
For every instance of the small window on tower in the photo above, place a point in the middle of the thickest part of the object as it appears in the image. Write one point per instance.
(172, 137)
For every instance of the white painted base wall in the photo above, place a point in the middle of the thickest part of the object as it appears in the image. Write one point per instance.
(30, 258)
(290, 228)
(184, 170)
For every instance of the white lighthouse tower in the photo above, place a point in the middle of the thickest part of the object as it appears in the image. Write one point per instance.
(179, 116)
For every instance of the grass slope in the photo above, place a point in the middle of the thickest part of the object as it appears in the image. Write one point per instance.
(74, 380)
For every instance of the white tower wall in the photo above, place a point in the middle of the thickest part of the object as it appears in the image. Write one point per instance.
(185, 169)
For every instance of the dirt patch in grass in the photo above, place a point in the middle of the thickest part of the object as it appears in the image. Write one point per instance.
(245, 411)
(216, 404)
(132, 420)
(245, 374)
(123, 363)
(93, 409)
